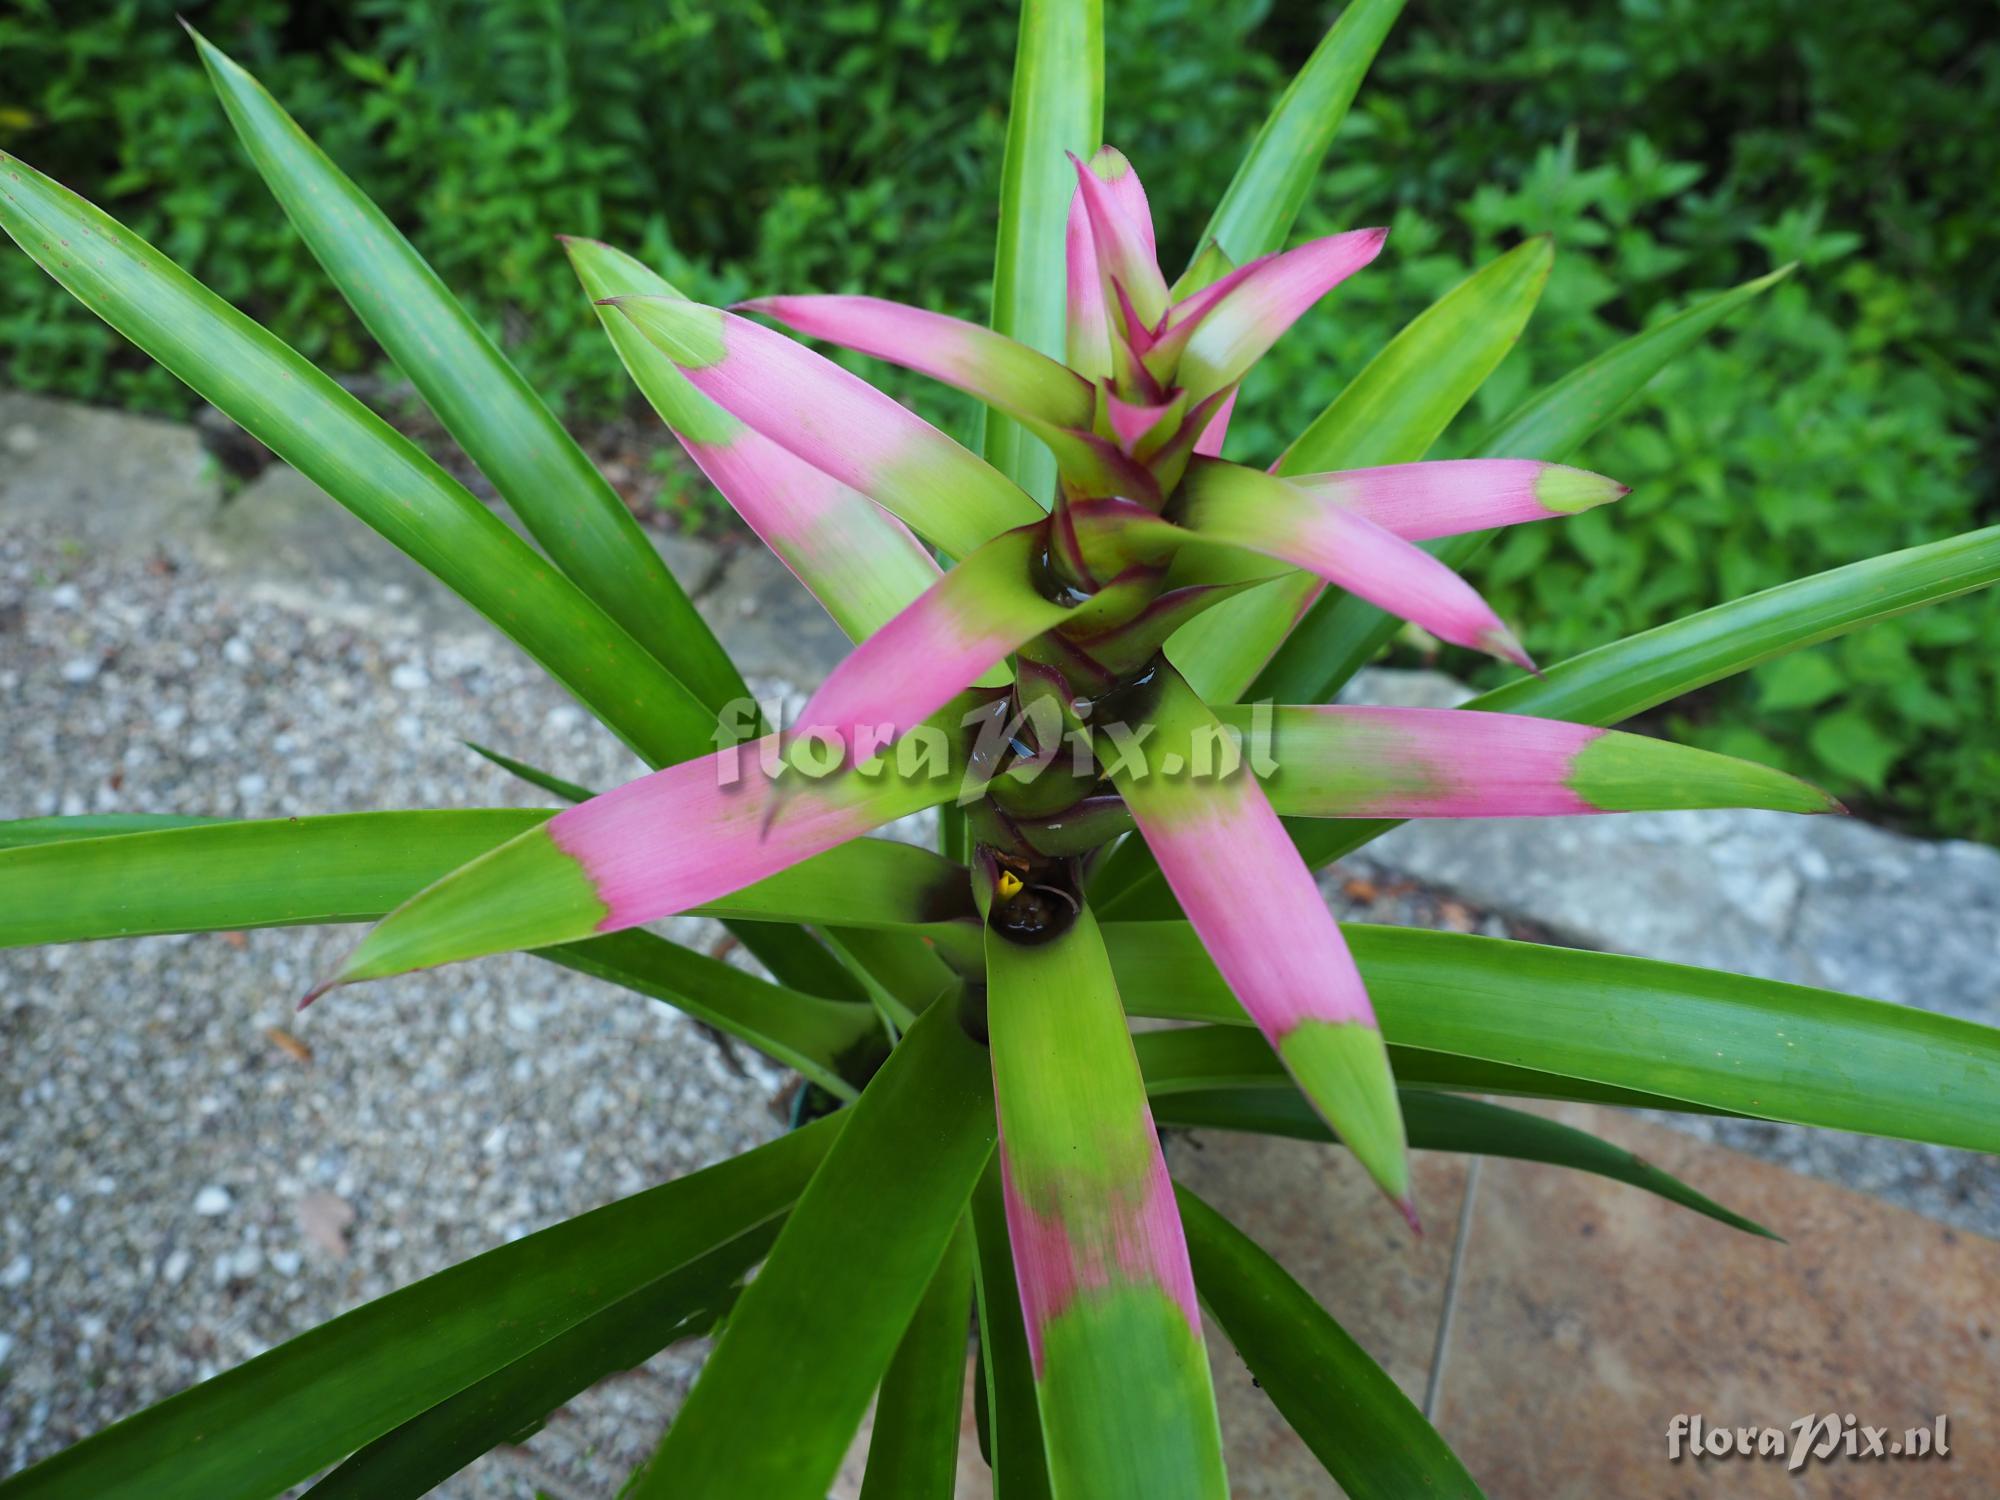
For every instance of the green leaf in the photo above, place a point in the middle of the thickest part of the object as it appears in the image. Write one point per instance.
(1448, 1122)
(1276, 175)
(1753, 1046)
(1010, 1416)
(1057, 106)
(554, 785)
(828, 1041)
(854, 557)
(279, 872)
(1390, 413)
(482, 400)
(1127, 1405)
(417, 1456)
(22, 831)
(1356, 1420)
(357, 458)
(285, 1415)
(353, 867)
(913, 1450)
(1229, 1058)
(806, 1346)
(1342, 634)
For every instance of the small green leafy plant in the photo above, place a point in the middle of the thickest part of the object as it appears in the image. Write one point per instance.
(1106, 656)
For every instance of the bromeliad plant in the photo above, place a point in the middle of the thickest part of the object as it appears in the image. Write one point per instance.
(1084, 686)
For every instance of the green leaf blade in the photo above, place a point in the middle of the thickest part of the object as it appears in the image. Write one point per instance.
(1127, 1407)
(913, 1450)
(1357, 1421)
(281, 1417)
(483, 401)
(386, 480)
(1057, 106)
(1275, 177)
(1725, 1041)
(1449, 1122)
(781, 1396)
(410, 1461)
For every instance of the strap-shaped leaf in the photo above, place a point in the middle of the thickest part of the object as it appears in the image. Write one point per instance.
(837, 422)
(1244, 507)
(1341, 762)
(1008, 376)
(1749, 1046)
(1455, 495)
(1262, 918)
(411, 1461)
(859, 561)
(680, 839)
(283, 1416)
(1341, 635)
(358, 459)
(1114, 1335)
(941, 643)
(547, 781)
(219, 875)
(1010, 1419)
(1273, 181)
(1121, 237)
(1357, 1421)
(913, 1448)
(20, 832)
(825, 1040)
(1233, 324)
(1057, 106)
(1447, 1122)
(481, 398)
(808, 1343)
(1390, 413)
(1232, 1056)
(794, 956)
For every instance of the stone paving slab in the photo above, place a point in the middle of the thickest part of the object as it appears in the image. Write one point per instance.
(1589, 1315)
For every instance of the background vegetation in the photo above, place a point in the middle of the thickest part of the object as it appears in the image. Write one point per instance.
(1671, 146)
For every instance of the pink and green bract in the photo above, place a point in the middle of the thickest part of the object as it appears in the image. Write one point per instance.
(1056, 625)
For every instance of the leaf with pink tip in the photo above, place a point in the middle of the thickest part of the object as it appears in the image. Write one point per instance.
(942, 643)
(1260, 915)
(1087, 326)
(1114, 1332)
(666, 843)
(1352, 762)
(1263, 299)
(1056, 106)
(836, 422)
(1010, 377)
(1123, 243)
(1209, 444)
(1227, 502)
(859, 561)
(1115, 170)
(1447, 497)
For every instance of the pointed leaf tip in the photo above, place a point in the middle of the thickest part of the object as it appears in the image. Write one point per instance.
(1565, 491)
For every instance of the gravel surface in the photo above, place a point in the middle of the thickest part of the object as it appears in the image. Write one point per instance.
(191, 1173)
